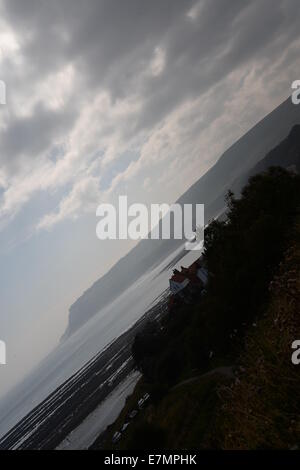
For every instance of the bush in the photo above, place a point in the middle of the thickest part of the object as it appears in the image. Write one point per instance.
(147, 436)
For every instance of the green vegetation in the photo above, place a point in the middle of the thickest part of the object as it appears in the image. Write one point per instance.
(241, 256)
(260, 409)
(180, 420)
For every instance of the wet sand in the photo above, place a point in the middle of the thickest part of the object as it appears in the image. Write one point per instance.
(47, 425)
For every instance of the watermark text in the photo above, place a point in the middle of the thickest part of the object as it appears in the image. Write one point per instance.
(2, 353)
(296, 92)
(2, 92)
(162, 221)
(296, 353)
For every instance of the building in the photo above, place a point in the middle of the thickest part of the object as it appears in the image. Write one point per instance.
(187, 282)
(202, 275)
(178, 282)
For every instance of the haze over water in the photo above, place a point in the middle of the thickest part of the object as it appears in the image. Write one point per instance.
(92, 338)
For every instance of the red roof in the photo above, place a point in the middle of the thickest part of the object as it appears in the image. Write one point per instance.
(189, 273)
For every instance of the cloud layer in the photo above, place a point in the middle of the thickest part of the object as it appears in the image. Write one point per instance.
(110, 96)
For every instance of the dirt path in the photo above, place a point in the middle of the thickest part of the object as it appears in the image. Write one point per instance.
(225, 370)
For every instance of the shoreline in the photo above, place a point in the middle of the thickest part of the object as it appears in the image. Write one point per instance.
(84, 435)
(47, 425)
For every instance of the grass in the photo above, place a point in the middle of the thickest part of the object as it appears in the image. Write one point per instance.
(261, 409)
(183, 416)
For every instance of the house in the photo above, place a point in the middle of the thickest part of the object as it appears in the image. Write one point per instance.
(124, 427)
(116, 437)
(178, 282)
(133, 414)
(141, 403)
(187, 282)
(202, 274)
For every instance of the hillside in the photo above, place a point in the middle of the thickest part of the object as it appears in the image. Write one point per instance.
(247, 321)
(285, 154)
(261, 409)
(230, 171)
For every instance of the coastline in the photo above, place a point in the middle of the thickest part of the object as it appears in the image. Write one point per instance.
(82, 437)
(48, 424)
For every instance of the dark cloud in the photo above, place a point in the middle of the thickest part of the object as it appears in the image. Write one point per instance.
(221, 71)
(111, 43)
(226, 35)
(32, 134)
(99, 32)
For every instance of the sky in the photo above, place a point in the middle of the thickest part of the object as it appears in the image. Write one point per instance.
(106, 98)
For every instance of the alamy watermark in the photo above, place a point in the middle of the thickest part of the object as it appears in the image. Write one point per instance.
(2, 92)
(296, 92)
(296, 353)
(2, 353)
(163, 221)
(2, 343)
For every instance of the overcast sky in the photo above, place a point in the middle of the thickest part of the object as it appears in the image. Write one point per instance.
(108, 97)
